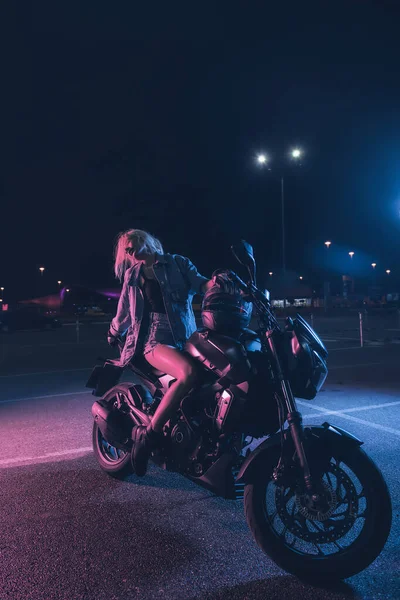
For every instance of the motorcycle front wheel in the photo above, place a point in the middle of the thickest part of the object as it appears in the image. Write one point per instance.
(334, 542)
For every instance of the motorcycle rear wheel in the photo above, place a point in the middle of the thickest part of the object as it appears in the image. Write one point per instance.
(288, 534)
(112, 460)
(117, 463)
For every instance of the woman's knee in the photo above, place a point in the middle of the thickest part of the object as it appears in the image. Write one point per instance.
(173, 362)
(189, 373)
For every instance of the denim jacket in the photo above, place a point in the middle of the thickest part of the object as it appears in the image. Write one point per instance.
(179, 281)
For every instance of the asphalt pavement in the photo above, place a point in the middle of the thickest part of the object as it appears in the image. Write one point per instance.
(68, 531)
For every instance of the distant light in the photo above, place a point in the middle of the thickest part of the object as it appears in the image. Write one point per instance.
(67, 290)
(261, 159)
(373, 265)
(2, 289)
(270, 273)
(41, 269)
(327, 244)
(388, 271)
(59, 282)
(301, 277)
(296, 153)
(1, 299)
(351, 254)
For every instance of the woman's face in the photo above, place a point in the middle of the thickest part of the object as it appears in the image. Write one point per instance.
(134, 253)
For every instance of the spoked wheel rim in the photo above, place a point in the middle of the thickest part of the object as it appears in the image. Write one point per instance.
(320, 530)
(109, 453)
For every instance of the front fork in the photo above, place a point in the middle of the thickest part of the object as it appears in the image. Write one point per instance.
(294, 418)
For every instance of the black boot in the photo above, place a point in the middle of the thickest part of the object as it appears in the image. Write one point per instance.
(145, 440)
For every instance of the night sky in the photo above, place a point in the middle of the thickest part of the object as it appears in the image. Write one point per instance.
(114, 119)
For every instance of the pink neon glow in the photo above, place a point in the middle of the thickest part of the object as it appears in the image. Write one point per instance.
(53, 301)
(110, 293)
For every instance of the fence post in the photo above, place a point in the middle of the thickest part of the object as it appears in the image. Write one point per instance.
(77, 330)
(361, 329)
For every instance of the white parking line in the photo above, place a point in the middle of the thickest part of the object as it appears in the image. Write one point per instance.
(46, 372)
(42, 397)
(349, 348)
(343, 415)
(356, 365)
(341, 339)
(5, 462)
(354, 409)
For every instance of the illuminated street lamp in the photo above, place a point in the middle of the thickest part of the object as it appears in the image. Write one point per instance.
(67, 290)
(327, 244)
(1, 290)
(261, 159)
(301, 277)
(373, 265)
(270, 273)
(388, 271)
(59, 282)
(351, 254)
(41, 269)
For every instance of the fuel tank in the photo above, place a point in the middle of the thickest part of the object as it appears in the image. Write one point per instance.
(221, 354)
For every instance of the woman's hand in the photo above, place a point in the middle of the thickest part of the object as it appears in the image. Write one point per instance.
(112, 340)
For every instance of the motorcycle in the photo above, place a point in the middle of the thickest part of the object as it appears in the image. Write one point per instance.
(315, 503)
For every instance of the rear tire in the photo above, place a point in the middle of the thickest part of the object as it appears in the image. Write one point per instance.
(113, 461)
(340, 564)
(117, 463)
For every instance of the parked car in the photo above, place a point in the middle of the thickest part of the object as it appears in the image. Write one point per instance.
(15, 320)
(90, 313)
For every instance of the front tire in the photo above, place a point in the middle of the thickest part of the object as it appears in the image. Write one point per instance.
(291, 534)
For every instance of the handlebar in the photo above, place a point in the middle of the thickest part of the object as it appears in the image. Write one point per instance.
(259, 299)
(250, 289)
(239, 282)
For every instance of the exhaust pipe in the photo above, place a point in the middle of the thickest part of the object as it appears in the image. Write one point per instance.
(115, 427)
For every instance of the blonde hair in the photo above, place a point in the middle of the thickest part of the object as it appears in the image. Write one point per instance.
(141, 240)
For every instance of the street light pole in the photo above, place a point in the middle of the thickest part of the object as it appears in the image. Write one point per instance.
(283, 244)
(283, 227)
(327, 284)
(262, 160)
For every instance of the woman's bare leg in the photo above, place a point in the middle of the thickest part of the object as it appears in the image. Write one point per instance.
(170, 360)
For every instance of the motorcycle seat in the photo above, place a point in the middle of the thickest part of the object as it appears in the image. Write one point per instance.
(140, 364)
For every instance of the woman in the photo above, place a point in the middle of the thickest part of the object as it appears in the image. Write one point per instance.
(155, 312)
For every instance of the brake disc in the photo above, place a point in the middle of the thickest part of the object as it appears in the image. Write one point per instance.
(336, 525)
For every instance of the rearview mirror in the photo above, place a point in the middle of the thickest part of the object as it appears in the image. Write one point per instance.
(243, 252)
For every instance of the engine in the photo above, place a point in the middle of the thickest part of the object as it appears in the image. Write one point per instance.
(182, 437)
(193, 449)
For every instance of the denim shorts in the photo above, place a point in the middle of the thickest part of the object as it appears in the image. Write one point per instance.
(159, 332)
